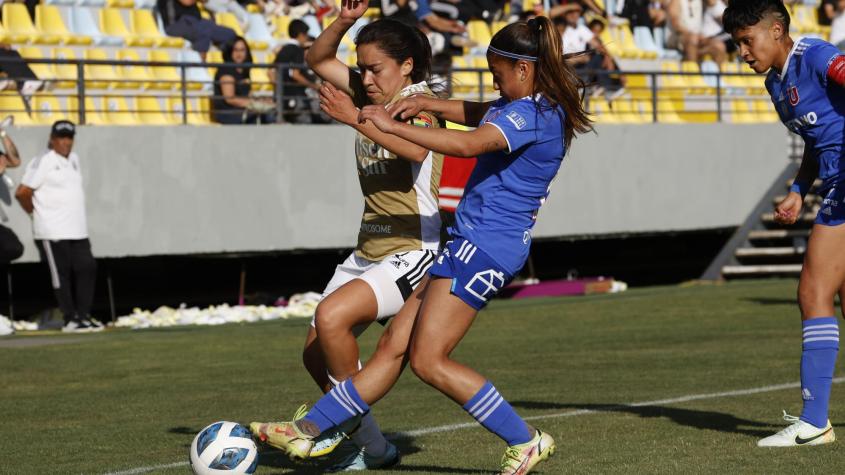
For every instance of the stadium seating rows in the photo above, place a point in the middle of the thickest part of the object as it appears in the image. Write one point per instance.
(127, 30)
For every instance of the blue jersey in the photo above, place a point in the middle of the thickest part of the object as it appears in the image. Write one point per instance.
(811, 107)
(507, 188)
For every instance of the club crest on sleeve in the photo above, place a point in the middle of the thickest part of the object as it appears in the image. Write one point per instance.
(793, 95)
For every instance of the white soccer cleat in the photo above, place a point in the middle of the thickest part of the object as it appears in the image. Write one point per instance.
(360, 460)
(799, 433)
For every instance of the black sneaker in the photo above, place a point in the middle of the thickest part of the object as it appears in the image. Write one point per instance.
(95, 324)
(78, 326)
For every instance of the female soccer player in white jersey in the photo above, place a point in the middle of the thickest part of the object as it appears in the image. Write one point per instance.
(520, 141)
(806, 79)
(400, 227)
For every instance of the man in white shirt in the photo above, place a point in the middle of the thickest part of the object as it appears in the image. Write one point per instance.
(594, 65)
(51, 191)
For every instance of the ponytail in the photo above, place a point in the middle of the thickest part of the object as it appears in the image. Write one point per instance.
(553, 76)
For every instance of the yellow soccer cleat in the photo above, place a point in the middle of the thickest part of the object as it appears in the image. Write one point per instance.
(520, 459)
(284, 436)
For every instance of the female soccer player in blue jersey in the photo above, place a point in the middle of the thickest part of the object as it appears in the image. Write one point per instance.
(805, 79)
(520, 141)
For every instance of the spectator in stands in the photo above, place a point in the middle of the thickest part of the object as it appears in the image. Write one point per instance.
(10, 246)
(232, 102)
(714, 40)
(685, 21)
(648, 13)
(182, 18)
(18, 74)
(309, 11)
(561, 7)
(51, 191)
(837, 24)
(296, 102)
(592, 66)
(826, 11)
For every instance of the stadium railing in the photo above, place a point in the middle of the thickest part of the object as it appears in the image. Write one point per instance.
(121, 92)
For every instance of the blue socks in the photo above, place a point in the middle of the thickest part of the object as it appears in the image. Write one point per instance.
(337, 406)
(821, 344)
(491, 410)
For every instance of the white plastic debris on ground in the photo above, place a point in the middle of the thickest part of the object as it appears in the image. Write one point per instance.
(299, 306)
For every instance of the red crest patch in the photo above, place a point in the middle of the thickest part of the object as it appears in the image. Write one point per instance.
(793, 95)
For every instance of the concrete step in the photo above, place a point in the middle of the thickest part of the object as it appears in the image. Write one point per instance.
(761, 270)
(772, 234)
(768, 252)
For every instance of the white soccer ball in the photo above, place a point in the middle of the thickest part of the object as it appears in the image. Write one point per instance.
(224, 448)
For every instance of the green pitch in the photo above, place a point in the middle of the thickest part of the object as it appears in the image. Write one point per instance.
(125, 400)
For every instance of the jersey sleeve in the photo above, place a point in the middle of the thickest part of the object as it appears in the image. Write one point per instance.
(517, 123)
(423, 119)
(35, 173)
(818, 58)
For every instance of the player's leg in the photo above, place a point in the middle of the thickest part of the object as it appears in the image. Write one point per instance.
(346, 401)
(446, 315)
(822, 277)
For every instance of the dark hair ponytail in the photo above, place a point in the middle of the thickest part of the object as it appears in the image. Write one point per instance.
(400, 42)
(553, 76)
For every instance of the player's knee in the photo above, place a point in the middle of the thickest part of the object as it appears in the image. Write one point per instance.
(328, 319)
(426, 366)
(813, 297)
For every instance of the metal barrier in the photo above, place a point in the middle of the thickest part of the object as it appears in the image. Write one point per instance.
(661, 96)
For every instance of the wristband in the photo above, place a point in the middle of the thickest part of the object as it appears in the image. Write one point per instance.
(800, 188)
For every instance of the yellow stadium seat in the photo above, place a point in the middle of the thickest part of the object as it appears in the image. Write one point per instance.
(48, 21)
(465, 82)
(112, 24)
(486, 77)
(696, 83)
(610, 43)
(42, 70)
(19, 26)
(118, 112)
(622, 34)
(47, 109)
(765, 110)
(136, 77)
(93, 111)
(601, 111)
(280, 29)
(143, 25)
(12, 104)
(100, 76)
(199, 111)
(497, 25)
(258, 76)
(67, 75)
(479, 32)
(167, 77)
(230, 21)
(6, 38)
(741, 111)
(627, 112)
(150, 112)
(120, 3)
(638, 85)
(213, 58)
(671, 84)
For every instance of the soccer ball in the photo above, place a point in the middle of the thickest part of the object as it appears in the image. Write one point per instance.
(223, 448)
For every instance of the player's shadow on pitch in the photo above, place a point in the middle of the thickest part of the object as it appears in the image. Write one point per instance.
(772, 300)
(709, 420)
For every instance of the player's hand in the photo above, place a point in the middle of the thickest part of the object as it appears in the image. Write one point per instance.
(788, 210)
(337, 104)
(407, 107)
(353, 9)
(379, 116)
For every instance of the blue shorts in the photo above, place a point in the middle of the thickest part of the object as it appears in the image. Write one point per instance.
(476, 277)
(832, 211)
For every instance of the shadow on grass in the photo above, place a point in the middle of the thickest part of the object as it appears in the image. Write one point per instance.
(709, 420)
(772, 300)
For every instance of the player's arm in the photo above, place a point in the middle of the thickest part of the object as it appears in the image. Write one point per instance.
(455, 143)
(338, 105)
(322, 56)
(460, 112)
(836, 70)
(24, 197)
(227, 89)
(11, 158)
(788, 210)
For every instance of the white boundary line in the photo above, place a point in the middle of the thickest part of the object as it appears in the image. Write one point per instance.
(579, 412)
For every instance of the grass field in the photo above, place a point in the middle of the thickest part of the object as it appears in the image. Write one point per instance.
(125, 400)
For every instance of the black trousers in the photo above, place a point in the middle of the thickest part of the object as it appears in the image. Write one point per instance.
(73, 273)
(17, 70)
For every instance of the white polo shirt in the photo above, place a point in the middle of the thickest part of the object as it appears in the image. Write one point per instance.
(58, 199)
(575, 40)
